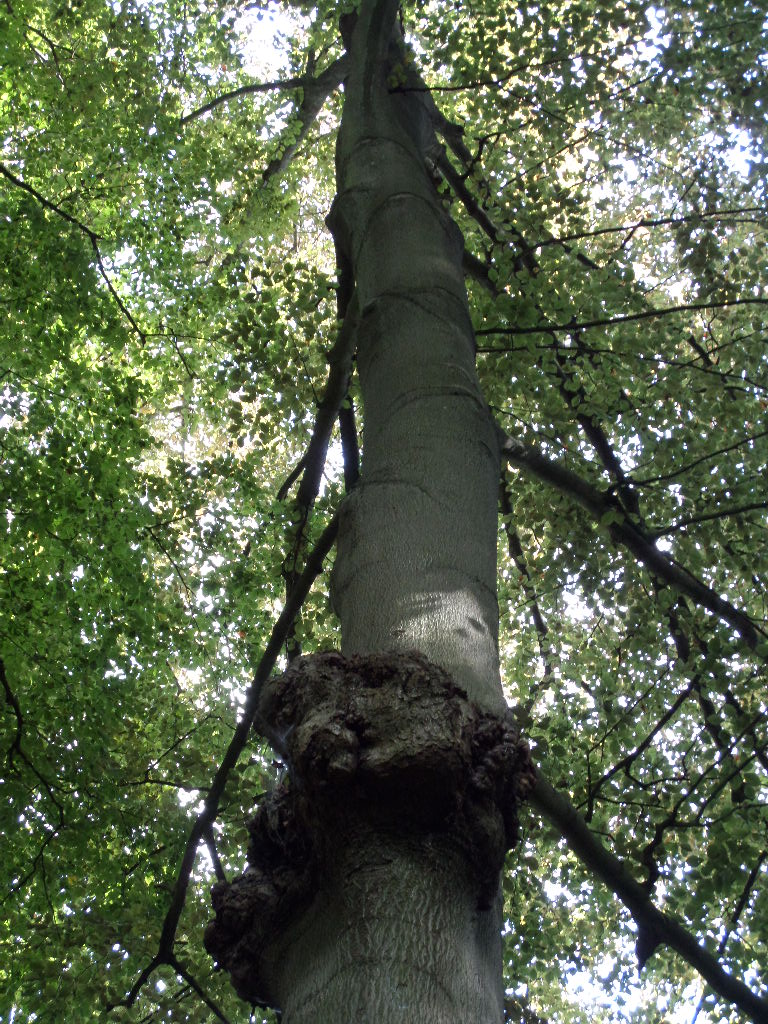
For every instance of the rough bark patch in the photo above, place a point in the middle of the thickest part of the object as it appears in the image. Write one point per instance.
(387, 741)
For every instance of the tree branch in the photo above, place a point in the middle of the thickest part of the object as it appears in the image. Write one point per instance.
(247, 90)
(340, 369)
(594, 433)
(526, 582)
(479, 270)
(316, 92)
(340, 363)
(641, 747)
(92, 237)
(627, 497)
(238, 742)
(350, 447)
(213, 853)
(140, 982)
(665, 477)
(12, 702)
(198, 989)
(647, 314)
(655, 223)
(655, 928)
(606, 511)
(722, 513)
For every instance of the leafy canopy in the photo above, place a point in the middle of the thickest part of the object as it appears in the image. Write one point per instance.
(167, 308)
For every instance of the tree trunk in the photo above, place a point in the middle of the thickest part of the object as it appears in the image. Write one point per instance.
(416, 564)
(372, 888)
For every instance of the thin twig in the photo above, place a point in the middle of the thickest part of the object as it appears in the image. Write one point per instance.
(198, 989)
(92, 237)
(647, 222)
(585, 325)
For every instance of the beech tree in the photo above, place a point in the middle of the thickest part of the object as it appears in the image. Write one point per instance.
(384, 432)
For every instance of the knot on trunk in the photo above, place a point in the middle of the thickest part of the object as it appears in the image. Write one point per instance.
(386, 745)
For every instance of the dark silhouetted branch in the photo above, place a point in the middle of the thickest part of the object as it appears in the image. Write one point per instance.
(517, 555)
(721, 513)
(654, 927)
(246, 90)
(238, 742)
(198, 990)
(605, 509)
(646, 314)
(12, 702)
(316, 92)
(694, 218)
(92, 237)
(350, 447)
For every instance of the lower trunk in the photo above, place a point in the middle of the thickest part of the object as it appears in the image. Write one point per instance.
(372, 888)
(394, 936)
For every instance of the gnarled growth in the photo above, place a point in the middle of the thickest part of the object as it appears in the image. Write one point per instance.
(398, 785)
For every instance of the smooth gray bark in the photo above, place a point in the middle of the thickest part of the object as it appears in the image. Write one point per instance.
(394, 938)
(416, 563)
(396, 933)
(373, 898)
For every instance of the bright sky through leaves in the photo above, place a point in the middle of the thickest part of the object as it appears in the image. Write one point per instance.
(167, 303)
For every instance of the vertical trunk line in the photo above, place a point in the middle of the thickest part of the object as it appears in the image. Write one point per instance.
(416, 562)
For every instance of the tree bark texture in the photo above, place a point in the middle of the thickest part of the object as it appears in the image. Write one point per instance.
(372, 887)
(416, 562)
(372, 892)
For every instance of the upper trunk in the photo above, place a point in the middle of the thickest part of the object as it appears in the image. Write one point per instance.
(416, 563)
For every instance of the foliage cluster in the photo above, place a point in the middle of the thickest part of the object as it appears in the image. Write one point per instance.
(167, 308)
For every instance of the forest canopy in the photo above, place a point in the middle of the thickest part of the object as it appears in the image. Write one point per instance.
(178, 431)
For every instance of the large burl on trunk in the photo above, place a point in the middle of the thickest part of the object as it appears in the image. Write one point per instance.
(373, 870)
